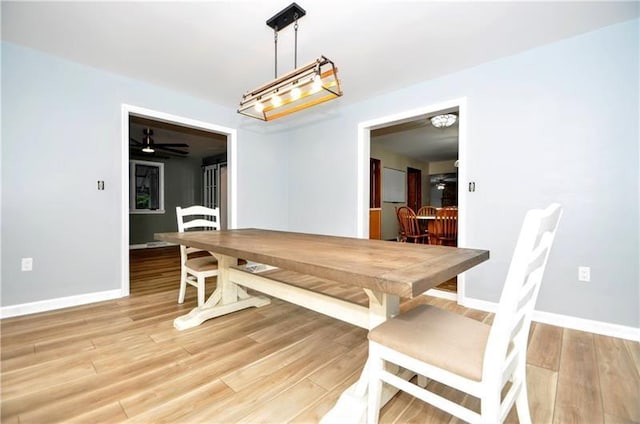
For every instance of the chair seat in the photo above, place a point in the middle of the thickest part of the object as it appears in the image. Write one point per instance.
(445, 339)
(204, 263)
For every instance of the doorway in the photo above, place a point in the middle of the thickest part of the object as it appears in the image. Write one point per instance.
(382, 124)
(139, 113)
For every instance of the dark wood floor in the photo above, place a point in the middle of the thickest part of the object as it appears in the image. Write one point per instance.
(122, 361)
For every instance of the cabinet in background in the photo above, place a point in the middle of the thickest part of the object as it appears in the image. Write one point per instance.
(375, 223)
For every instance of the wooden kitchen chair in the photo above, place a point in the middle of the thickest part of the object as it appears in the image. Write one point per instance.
(194, 271)
(445, 227)
(466, 354)
(410, 229)
(428, 226)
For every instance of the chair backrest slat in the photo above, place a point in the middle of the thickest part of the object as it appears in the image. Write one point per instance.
(200, 223)
(427, 211)
(205, 218)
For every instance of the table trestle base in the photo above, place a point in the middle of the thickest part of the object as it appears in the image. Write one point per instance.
(199, 315)
(344, 310)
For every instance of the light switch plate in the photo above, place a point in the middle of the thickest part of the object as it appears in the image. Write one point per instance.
(584, 273)
(27, 264)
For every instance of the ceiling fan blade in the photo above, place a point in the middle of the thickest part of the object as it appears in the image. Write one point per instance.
(135, 141)
(172, 144)
(169, 149)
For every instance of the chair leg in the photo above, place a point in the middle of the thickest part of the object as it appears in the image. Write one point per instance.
(200, 290)
(522, 401)
(374, 393)
(183, 285)
(490, 408)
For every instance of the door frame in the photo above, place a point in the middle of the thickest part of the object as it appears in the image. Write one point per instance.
(232, 160)
(364, 153)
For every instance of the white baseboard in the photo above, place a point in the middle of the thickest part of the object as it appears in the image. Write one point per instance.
(59, 303)
(565, 321)
(151, 244)
(583, 324)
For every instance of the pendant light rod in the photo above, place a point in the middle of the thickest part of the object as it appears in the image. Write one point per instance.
(281, 20)
(275, 43)
(295, 50)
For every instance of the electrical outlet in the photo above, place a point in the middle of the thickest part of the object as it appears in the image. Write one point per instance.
(27, 264)
(584, 273)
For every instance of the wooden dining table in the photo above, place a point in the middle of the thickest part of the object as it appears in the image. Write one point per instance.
(282, 264)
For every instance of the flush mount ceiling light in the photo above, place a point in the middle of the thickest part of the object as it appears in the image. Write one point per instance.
(444, 120)
(309, 85)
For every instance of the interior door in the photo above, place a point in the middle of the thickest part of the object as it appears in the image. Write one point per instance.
(414, 188)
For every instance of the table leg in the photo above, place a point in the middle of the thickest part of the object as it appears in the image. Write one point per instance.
(352, 404)
(228, 297)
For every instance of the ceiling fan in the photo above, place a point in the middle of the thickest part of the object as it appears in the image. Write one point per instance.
(148, 146)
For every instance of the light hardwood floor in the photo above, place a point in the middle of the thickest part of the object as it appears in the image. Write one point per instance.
(122, 361)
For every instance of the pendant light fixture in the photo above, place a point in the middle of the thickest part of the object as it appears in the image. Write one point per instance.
(309, 85)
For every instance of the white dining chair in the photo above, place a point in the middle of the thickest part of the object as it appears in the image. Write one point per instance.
(466, 354)
(194, 271)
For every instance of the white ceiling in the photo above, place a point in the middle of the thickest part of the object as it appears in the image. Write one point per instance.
(220, 49)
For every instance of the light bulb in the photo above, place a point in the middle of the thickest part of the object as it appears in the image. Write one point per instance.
(276, 100)
(259, 107)
(317, 84)
(296, 93)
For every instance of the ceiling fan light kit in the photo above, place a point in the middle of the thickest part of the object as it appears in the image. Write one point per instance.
(309, 85)
(444, 120)
(148, 141)
(148, 146)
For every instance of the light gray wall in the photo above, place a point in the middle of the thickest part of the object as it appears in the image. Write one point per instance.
(262, 179)
(542, 126)
(61, 132)
(182, 187)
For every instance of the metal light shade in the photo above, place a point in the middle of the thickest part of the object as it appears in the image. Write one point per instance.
(307, 86)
